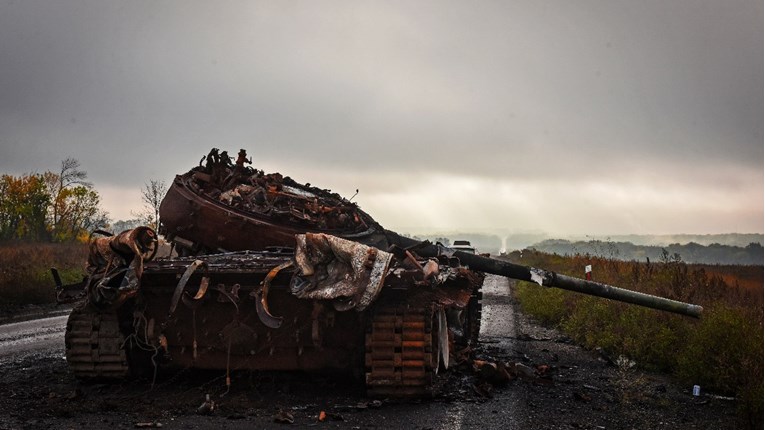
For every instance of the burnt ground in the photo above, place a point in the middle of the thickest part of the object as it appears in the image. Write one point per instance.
(579, 389)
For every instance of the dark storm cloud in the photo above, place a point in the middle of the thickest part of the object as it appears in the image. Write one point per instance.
(663, 94)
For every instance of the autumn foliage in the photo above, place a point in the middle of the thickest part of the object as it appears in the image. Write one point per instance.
(24, 204)
(58, 207)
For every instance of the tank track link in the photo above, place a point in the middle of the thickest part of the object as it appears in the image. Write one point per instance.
(401, 354)
(95, 345)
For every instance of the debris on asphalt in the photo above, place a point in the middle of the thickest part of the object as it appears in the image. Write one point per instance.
(207, 407)
(283, 417)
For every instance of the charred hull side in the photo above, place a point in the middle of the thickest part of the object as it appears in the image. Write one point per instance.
(337, 305)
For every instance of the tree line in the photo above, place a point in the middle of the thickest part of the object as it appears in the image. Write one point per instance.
(63, 206)
(715, 253)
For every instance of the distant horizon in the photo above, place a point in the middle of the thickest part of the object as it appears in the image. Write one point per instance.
(542, 233)
(518, 241)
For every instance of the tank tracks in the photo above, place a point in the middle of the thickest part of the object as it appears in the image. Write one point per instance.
(95, 345)
(401, 354)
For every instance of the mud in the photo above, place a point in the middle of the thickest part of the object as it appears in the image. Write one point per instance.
(581, 389)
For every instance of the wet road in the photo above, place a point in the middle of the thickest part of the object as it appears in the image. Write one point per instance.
(498, 328)
(44, 335)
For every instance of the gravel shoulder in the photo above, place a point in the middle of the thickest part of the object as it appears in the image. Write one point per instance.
(579, 389)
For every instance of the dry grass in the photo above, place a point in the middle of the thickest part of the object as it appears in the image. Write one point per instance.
(25, 270)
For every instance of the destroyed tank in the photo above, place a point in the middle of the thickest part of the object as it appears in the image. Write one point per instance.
(274, 275)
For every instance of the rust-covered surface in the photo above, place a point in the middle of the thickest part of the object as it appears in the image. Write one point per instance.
(332, 304)
(115, 265)
(222, 206)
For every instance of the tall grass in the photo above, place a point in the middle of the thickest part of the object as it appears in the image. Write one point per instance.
(25, 276)
(722, 352)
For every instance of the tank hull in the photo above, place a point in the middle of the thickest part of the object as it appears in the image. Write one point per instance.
(263, 311)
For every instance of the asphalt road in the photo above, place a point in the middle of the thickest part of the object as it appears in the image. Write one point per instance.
(44, 335)
(584, 392)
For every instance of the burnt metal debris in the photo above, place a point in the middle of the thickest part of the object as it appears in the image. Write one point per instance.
(275, 275)
(220, 207)
(336, 304)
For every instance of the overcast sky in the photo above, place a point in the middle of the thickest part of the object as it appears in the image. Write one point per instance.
(568, 117)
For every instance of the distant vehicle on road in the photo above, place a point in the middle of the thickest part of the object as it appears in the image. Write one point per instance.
(464, 246)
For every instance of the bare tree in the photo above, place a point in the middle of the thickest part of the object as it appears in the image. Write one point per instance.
(75, 205)
(151, 195)
(68, 176)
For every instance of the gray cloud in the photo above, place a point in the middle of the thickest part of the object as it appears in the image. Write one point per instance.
(560, 94)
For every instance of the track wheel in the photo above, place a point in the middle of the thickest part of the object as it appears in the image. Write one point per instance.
(401, 351)
(94, 345)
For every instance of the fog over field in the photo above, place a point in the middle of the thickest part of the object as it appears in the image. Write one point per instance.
(568, 118)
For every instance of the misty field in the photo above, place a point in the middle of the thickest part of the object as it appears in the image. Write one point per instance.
(722, 352)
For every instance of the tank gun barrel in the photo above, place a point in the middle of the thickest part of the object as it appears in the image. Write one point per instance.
(547, 278)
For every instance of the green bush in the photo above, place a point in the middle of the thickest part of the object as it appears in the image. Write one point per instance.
(546, 304)
(590, 323)
(723, 353)
(712, 349)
